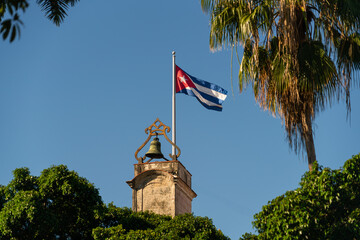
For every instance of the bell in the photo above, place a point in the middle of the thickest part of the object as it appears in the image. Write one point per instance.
(154, 150)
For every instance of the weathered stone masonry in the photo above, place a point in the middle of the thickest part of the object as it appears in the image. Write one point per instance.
(162, 187)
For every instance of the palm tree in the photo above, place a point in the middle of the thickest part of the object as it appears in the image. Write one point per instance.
(299, 55)
(55, 11)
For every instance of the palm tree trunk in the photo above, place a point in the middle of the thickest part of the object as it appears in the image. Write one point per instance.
(309, 142)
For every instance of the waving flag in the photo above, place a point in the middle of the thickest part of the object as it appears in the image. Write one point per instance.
(209, 95)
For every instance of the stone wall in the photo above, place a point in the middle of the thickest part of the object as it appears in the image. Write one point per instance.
(162, 187)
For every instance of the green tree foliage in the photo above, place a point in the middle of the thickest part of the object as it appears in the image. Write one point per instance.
(299, 56)
(61, 205)
(249, 236)
(57, 205)
(11, 10)
(122, 223)
(114, 216)
(325, 206)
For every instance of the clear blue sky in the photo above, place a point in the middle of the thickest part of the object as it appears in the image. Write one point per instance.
(83, 94)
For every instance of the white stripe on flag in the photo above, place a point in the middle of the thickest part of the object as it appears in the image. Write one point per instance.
(198, 95)
(210, 92)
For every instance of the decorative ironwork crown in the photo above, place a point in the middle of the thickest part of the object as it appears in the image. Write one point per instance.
(156, 129)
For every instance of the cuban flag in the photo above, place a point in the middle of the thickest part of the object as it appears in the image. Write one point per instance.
(209, 95)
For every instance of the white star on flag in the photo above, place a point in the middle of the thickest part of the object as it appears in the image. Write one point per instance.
(183, 79)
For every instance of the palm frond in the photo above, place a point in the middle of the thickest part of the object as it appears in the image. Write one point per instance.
(56, 10)
(207, 5)
(348, 51)
(228, 26)
(10, 27)
(349, 12)
(317, 69)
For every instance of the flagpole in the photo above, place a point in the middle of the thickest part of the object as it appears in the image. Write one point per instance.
(173, 106)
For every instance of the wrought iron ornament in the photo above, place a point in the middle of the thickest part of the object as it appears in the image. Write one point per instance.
(157, 129)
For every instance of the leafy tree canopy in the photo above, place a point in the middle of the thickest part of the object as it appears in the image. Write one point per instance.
(59, 204)
(11, 10)
(325, 206)
(122, 223)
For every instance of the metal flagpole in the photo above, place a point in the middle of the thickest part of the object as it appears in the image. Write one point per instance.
(173, 106)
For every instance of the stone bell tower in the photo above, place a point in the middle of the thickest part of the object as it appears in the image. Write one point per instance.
(162, 187)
